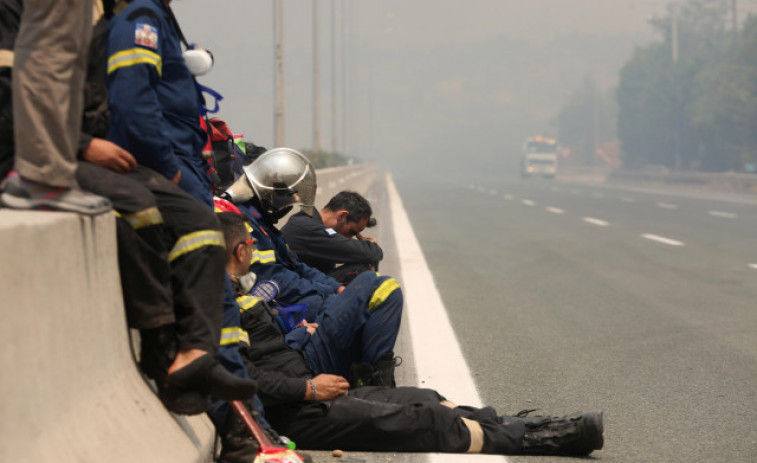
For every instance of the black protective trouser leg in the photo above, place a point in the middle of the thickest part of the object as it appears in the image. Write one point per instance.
(172, 262)
(404, 419)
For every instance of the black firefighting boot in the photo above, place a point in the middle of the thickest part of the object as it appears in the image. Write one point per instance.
(576, 435)
(157, 353)
(206, 375)
(157, 350)
(237, 444)
(385, 370)
(381, 374)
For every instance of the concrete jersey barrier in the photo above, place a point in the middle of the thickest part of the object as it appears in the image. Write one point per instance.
(70, 388)
(71, 391)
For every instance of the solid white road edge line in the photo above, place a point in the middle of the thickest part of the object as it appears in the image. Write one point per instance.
(438, 359)
(662, 239)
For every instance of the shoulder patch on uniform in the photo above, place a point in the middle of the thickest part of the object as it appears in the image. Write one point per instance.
(331, 231)
(146, 35)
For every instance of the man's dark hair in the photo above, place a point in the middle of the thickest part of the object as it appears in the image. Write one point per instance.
(234, 230)
(358, 207)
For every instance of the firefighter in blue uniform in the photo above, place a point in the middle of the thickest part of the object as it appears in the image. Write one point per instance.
(272, 184)
(155, 112)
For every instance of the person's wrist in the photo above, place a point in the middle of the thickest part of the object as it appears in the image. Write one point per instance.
(313, 392)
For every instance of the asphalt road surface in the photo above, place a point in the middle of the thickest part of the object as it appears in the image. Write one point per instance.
(569, 296)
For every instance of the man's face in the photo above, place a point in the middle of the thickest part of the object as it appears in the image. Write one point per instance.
(350, 229)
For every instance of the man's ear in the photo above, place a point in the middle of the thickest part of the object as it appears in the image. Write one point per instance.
(341, 215)
(239, 253)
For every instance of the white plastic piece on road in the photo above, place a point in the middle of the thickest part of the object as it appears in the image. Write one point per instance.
(439, 361)
(662, 239)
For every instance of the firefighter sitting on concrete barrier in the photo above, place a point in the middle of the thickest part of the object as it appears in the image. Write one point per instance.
(170, 253)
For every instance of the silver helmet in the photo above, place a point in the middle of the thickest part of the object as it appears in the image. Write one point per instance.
(282, 177)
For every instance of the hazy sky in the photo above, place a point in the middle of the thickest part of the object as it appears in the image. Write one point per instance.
(416, 78)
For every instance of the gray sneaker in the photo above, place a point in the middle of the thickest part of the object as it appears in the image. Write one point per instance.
(19, 193)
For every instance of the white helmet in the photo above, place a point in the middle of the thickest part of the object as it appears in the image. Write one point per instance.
(282, 177)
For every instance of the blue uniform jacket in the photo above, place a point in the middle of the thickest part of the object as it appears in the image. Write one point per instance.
(154, 103)
(298, 283)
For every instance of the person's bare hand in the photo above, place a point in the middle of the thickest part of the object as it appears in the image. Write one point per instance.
(309, 327)
(107, 154)
(341, 289)
(329, 387)
(366, 238)
(177, 178)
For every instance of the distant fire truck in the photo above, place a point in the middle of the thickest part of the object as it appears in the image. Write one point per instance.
(539, 157)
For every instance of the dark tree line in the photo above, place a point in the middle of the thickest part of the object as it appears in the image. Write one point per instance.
(694, 105)
(687, 101)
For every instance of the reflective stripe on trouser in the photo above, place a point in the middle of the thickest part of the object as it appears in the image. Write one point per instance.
(189, 290)
(397, 420)
(359, 325)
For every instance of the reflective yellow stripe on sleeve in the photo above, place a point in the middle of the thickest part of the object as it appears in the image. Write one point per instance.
(382, 292)
(144, 218)
(264, 257)
(246, 302)
(194, 241)
(134, 56)
(233, 335)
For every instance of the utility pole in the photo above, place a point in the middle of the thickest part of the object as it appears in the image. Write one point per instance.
(334, 108)
(316, 83)
(678, 116)
(345, 13)
(278, 31)
(735, 18)
(674, 33)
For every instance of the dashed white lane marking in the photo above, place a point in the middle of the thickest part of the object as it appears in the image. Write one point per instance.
(555, 210)
(528, 202)
(508, 197)
(667, 206)
(493, 192)
(626, 199)
(594, 221)
(726, 215)
(481, 189)
(662, 239)
(754, 266)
